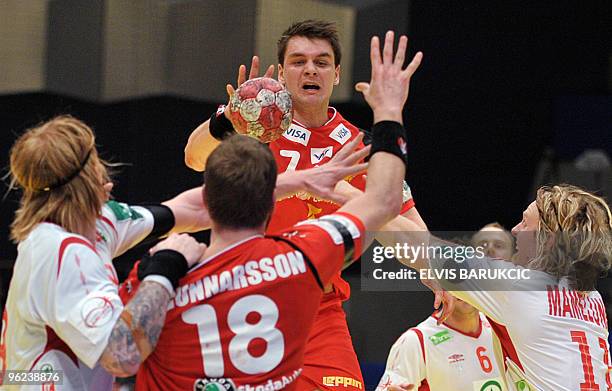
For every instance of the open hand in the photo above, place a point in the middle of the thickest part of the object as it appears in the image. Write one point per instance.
(323, 179)
(387, 91)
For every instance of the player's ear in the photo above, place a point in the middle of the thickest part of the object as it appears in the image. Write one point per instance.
(337, 77)
(281, 74)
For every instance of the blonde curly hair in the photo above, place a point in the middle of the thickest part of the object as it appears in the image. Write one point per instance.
(56, 164)
(574, 236)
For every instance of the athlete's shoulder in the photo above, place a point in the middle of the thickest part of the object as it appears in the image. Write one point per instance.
(48, 239)
(252, 248)
(411, 342)
(46, 234)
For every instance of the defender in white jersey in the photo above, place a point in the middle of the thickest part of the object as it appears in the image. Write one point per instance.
(443, 358)
(549, 320)
(457, 354)
(62, 311)
(64, 288)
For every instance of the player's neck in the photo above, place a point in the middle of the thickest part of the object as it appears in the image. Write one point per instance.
(311, 117)
(466, 323)
(222, 238)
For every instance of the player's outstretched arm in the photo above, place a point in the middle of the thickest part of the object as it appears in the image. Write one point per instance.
(201, 142)
(386, 94)
(137, 331)
(190, 213)
(199, 147)
(407, 228)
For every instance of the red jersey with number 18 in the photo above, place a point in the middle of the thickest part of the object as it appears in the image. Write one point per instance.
(240, 319)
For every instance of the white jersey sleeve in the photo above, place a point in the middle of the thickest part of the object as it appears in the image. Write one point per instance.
(124, 226)
(489, 295)
(406, 362)
(82, 305)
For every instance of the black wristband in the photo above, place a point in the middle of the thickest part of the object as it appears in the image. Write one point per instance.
(220, 127)
(389, 136)
(163, 220)
(168, 263)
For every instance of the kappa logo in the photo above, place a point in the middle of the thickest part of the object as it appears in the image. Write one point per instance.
(318, 154)
(341, 134)
(297, 134)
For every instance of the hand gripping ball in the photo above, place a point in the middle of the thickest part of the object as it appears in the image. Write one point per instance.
(261, 108)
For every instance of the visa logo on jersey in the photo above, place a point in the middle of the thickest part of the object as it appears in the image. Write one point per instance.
(317, 154)
(297, 134)
(341, 134)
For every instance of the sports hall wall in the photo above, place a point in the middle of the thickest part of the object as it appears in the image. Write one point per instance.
(508, 96)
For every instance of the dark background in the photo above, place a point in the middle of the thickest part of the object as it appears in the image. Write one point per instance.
(499, 83)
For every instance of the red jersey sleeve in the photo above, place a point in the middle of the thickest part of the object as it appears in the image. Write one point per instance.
(327, 242)
(128, 288)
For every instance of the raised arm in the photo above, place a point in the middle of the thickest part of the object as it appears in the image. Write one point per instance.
(199, 147)
(386, 94)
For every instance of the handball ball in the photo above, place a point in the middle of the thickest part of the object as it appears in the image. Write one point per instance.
(261, 108)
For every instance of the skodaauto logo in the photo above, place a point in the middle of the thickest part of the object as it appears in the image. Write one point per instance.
(220, 384)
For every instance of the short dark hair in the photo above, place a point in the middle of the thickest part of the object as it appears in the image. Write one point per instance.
(239, 183)
(312, 29)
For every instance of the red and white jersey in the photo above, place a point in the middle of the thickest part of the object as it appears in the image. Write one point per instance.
(440, 358)
(301, 148)
(62, 302)
(241, 318)
(549, 336)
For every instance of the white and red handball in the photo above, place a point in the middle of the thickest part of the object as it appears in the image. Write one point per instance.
(261, 108)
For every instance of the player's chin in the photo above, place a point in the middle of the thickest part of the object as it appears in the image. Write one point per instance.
(310, 98)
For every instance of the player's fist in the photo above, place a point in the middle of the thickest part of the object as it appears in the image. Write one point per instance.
(184, 244)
